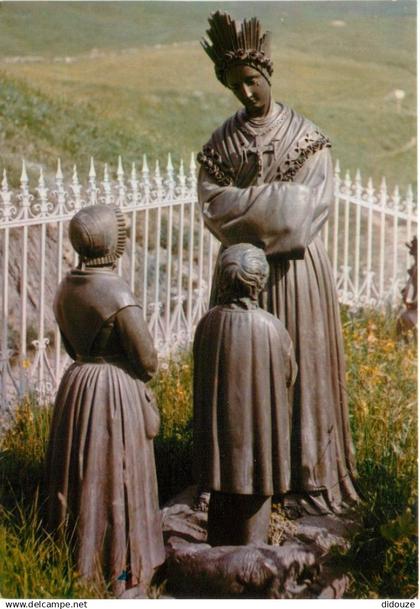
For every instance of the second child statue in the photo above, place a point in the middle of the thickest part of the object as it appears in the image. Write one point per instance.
(243, 365)
(101, 477)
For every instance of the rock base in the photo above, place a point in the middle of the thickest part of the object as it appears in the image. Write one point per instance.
(297, 564)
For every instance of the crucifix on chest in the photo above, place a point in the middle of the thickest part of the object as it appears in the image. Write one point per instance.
(259, 149)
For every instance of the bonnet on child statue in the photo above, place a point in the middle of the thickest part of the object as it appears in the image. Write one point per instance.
(98, 234)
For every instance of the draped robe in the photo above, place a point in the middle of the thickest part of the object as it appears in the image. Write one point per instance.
(100, 467)
(243, 366)
(270, 182)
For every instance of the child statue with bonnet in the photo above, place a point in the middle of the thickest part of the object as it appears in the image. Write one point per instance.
(101, 477)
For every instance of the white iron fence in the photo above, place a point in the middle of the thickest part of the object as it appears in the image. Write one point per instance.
(169, 259)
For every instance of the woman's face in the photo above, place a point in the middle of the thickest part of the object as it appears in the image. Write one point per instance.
(251, 88)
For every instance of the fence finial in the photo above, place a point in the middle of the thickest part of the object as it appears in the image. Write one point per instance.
(409, 205)
(24, 197)
(169, 167)
(41, 180)
(120, 170)
(145, 167)
(76, 188)
(92, 190)
(347, 180)
(8, 210)
(92, 172)
(120, 183)
(24, 175)
(370, 190)
(59, 174)
(107, 196)
(192, 163)
(157, 169)
(383, 193)
(134, 182)
(106, 174)
(396, 198)
(44, 206)
(4, 183)
(409, 195)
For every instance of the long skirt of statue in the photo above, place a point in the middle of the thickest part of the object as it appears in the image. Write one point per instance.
(101, 477)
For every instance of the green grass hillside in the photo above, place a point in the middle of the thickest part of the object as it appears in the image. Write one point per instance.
(136, 80)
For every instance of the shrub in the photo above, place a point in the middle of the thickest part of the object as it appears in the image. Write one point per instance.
(173, 446)
(381, 385)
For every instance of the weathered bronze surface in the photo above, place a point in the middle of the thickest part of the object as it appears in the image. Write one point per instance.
(266, 178)
(101, 477)
(243, 365)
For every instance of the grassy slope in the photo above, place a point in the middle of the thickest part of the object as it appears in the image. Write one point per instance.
(157, 99)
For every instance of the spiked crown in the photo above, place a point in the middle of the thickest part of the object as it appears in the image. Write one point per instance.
(237, 42)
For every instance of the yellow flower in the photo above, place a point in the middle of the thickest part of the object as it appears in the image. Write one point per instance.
(363, 408)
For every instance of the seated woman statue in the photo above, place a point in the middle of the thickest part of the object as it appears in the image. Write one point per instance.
(101, 478)
(243, 366)
(266, 178)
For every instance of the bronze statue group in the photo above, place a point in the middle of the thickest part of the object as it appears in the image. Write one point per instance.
(270, 409)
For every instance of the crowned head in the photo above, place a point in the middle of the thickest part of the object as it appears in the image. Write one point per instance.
(235, 43)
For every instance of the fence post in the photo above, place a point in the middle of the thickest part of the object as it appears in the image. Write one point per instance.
(146, 193)
(409, 209)
(61, 199)
(383, 197)
(93, 189)
(134, 196)
(396, 205)
(5, 214)
(192, 185)
(170, 193)
(369, 273)
(346, 267)
(337, 186)
(358, 195)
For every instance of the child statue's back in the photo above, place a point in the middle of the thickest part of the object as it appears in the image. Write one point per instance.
(243, 366)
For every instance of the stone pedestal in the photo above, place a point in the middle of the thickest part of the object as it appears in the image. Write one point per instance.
(296, 564)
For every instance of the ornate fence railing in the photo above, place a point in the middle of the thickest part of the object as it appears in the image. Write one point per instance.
(169, 259)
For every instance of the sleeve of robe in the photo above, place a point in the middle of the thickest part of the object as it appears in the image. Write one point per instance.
(280, 217)
(138, 345)
(137, 342)
(67, 346)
